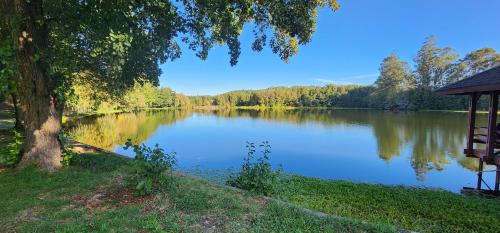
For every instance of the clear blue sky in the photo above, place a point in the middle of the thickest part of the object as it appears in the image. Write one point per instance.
(347, 47)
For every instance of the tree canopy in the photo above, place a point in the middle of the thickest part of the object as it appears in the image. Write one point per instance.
(120, 42)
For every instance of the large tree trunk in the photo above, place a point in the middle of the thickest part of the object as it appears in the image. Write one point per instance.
(42, 110)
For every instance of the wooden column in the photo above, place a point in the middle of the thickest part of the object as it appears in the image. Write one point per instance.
(480, 174)
(472, 122)
(492, 125)
(497, 179)
(492, 136)
(470, 135)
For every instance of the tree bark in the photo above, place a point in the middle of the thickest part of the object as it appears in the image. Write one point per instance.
(42, 111)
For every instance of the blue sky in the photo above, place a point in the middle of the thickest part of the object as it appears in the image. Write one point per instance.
(347, 47)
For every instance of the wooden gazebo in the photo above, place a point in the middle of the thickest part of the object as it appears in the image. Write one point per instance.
(475, 86)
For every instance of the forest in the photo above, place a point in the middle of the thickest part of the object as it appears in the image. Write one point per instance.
(398, 87)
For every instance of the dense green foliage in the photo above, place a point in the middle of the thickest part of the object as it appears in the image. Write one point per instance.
(120, 42)
(421, 210)
(309, 96)
(141, 95)
(152, 170)
(88, 197)
(256, 176)
(397, 87)
(10, 152)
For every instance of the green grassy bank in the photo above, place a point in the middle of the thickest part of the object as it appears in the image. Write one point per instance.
(92, 196)
(416, 209)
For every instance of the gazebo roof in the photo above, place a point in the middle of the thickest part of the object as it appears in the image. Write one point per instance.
(485, 81)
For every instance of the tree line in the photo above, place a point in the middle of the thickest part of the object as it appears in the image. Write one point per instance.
(141, 95)
(398, 87)
(299, 96)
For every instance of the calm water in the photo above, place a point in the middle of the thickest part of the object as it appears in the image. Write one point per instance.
(419, 148)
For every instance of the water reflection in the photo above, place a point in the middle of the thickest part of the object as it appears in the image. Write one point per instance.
(109, 131)
(433, 140)
(434, 137)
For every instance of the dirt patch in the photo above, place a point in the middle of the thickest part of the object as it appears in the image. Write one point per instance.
(262, 200)
(28, 215)
(207, 224)
(116, 198)
(158, 204)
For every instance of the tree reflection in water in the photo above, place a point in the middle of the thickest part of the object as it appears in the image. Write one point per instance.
(111, 130)
(434, 139)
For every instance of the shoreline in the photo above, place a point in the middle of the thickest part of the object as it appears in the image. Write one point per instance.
(314, 195)
(255, 108)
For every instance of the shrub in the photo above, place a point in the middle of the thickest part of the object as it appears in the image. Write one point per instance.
(67, 153)
(256, 175)
(11, 153)
(151, 168)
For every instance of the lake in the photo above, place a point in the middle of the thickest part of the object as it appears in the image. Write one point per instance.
(407, 148)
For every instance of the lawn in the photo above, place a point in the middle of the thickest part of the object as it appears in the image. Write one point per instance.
(416, 209)
(92, 195)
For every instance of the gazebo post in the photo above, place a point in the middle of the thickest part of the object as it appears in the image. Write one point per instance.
(491, 141)
(497, 179)
(474, 97)
(492, 125)
(480, 174)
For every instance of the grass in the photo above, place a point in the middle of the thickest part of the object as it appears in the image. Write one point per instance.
(416, 209)
(92, 196)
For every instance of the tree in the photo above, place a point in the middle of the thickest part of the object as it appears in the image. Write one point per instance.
(136, 97)
(86, 96)
(480, 60)
(394, 78)
(433, 64)
(120, 41)
(182, 101)
(166, 98)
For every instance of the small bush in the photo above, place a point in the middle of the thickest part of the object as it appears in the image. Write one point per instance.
(11, 154)
(67, 153)
(256, 175)
(151, 168)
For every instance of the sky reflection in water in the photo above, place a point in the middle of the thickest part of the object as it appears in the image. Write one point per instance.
(418, 148)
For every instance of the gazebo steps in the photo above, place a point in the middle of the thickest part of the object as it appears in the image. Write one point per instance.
(483, 139)
(480, 192)
(483, 131)
(481, 154)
